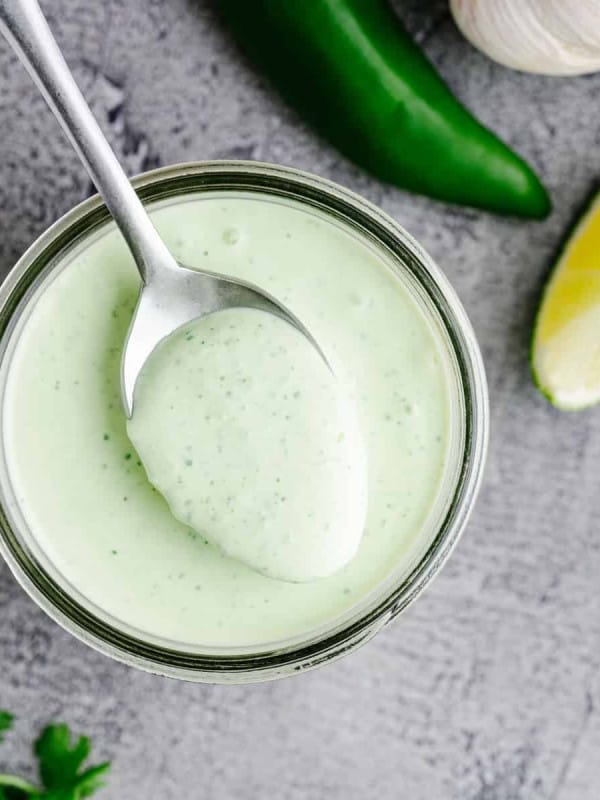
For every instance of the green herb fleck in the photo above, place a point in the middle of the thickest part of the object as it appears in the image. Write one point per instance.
(127, 456)
(106, 437)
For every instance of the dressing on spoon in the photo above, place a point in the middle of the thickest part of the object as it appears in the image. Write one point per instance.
(248, 435)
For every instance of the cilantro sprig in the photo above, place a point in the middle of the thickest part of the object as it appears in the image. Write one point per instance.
(61, 767)
(6, 721)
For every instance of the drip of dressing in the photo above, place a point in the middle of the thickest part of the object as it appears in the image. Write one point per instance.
(252, 441)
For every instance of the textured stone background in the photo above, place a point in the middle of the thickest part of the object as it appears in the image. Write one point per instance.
(489, 687)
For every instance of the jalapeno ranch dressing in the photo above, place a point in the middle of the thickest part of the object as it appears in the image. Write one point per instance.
(362, 459)
(248, 434)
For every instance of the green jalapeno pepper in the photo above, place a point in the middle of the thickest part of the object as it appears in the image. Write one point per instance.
(353, 71)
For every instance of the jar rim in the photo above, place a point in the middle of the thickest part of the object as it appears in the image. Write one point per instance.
(169, 182)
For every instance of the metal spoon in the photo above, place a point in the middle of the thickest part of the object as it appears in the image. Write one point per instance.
(171, 293)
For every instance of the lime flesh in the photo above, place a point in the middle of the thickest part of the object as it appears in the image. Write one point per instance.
(565, 353)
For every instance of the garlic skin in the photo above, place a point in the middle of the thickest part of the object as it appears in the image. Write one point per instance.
(550, 37)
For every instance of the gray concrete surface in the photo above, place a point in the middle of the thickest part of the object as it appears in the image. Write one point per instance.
(489, 687)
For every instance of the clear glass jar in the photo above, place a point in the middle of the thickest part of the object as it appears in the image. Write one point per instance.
(238, 665)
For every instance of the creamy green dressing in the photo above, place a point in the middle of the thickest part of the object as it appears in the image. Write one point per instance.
(80, 483)
(253, 441)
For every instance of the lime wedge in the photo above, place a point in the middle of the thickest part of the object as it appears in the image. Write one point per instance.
(565, 351)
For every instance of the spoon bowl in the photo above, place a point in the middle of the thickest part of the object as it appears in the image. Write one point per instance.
(178, 294)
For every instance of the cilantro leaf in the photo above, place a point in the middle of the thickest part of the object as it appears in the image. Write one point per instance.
(6, 721)
(92, 779)
(13, 788)
(11, 793)
(61, 764)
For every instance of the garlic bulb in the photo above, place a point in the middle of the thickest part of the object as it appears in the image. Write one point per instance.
(553, 37)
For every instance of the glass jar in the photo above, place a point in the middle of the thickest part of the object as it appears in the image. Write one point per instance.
(55, 595)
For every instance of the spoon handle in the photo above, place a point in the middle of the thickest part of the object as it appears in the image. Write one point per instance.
(25, 27)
